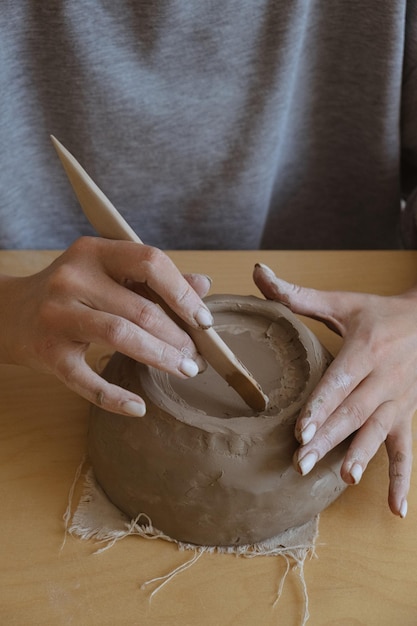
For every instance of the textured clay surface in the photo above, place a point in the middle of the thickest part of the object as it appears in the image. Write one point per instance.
(201, 464)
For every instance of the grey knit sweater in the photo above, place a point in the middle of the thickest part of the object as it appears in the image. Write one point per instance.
(212, 124)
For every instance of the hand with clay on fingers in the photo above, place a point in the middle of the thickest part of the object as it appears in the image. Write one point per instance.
(98, 291)
(370, 389)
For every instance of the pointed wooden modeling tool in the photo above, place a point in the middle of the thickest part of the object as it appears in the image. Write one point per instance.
(108, 222)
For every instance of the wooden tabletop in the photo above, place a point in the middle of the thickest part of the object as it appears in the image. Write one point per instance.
(366, 570)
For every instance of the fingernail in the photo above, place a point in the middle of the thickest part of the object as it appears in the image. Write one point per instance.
(192, 356)
(403, 508)
(209, 279)
(204, 318)
(308, 433)
(264, 267)
(356, 472)
(135, 409)
(307, 463)
(189, 367)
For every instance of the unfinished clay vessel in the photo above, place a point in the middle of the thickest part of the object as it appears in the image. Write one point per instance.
(201, 464)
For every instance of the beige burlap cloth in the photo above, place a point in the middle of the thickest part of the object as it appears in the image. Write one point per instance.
(96, 518)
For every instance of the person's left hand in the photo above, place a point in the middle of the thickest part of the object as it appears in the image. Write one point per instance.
(370, 388)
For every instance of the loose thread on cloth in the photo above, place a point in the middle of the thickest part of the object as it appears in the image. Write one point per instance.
(68, 510)
(96, 518)
(198, 553)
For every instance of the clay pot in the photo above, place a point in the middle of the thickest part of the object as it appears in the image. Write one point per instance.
(201, 464)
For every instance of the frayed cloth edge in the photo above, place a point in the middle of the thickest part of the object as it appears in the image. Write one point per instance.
(96, 518)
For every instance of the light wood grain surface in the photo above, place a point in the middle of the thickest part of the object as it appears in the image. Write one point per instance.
(366, 570)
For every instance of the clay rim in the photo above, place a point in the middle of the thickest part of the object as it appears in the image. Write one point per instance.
(155, 381)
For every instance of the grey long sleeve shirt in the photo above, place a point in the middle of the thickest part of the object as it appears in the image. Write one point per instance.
(222, 124)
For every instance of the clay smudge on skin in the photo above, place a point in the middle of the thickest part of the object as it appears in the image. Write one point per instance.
(343, 380)
(314, 406)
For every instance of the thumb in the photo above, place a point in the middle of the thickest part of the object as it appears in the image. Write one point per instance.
(320, 305)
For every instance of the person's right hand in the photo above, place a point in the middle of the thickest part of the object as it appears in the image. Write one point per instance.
(100, 291)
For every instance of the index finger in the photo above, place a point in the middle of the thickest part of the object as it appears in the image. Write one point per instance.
(151, 266)
(342, 376)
